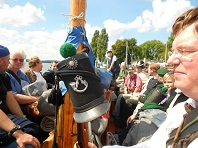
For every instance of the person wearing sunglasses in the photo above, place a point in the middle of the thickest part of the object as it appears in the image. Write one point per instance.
(12, 133)
(19, 78)
(19, 81)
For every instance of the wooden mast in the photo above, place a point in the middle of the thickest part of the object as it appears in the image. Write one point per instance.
(67, 128)
(77, 7)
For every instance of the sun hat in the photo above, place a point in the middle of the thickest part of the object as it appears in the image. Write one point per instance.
(4, 51)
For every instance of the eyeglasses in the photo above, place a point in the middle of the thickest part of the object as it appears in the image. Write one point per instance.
(16, 60)
(183, 54)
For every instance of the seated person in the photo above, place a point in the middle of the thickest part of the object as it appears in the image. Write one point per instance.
(49, 75)
(123, 72)
(12, 132)
(34, 71)
(148, 118)
(18, 81)
(139, 70)
(152, 83)
(121, 78)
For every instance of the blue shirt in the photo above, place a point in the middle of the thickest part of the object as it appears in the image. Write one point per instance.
(16, 86)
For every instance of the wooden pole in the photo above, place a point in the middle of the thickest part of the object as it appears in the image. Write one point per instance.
(67, 130)
(77, 8)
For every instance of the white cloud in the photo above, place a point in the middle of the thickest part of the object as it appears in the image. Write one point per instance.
(42, 43)
(161, 16)
(90, 31)
(19, 16)
(46, 44)
(114, 28)
(164, 13)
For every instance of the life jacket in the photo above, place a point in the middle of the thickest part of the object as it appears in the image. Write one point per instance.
(188, 132)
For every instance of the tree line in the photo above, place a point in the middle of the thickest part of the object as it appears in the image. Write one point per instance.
(152, 50)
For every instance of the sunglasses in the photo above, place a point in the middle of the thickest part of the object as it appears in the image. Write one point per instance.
(20, 60)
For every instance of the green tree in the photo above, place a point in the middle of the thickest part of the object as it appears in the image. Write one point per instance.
(102, 44)
(153, 50)
(169, 45)
(119, 49)
(94, 42)
(170, 41)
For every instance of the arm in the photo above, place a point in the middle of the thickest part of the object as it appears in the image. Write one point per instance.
(24, 99)
(12, 105)
(112, 63)
(21, 138)
(135, 112)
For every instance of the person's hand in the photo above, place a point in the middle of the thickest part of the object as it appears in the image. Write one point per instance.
(130, 119)
(34, 99)
(91, 145)
(125, 90)
(23, 139)
(37, 98)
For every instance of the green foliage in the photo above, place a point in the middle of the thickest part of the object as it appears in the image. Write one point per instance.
(153, 50)
(99, 44)
(93, 43)
(119, 49)
(170, 41)
(102, 43)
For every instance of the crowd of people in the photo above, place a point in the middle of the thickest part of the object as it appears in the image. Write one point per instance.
(19, 90)
(157, 108)
(178, 104)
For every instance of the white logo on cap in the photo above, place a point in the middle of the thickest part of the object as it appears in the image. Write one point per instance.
(74, 85)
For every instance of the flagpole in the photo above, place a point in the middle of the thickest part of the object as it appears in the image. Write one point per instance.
(126, 53)
(165, 56)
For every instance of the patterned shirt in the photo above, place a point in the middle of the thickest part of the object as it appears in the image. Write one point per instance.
(134, 82)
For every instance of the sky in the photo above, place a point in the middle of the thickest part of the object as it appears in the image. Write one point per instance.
(40, 28)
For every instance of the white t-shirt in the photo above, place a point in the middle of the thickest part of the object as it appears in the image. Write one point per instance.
(39, 77)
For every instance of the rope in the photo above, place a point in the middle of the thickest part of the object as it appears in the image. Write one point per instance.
(76, 18)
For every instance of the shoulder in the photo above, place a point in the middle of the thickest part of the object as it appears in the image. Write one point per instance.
(26, 71)
(6, 76)
(114, 58)
(48, 72)
(21, 73)
(29, 72)
(5, 79)
(137, 77)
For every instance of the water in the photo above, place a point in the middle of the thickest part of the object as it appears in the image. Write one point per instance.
(46, 66)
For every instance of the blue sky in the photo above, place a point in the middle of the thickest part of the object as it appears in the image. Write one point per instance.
(38, 27)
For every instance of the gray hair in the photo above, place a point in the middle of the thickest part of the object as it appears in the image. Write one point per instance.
(19, 52)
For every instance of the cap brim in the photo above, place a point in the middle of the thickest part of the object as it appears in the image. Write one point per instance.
(92, 113)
